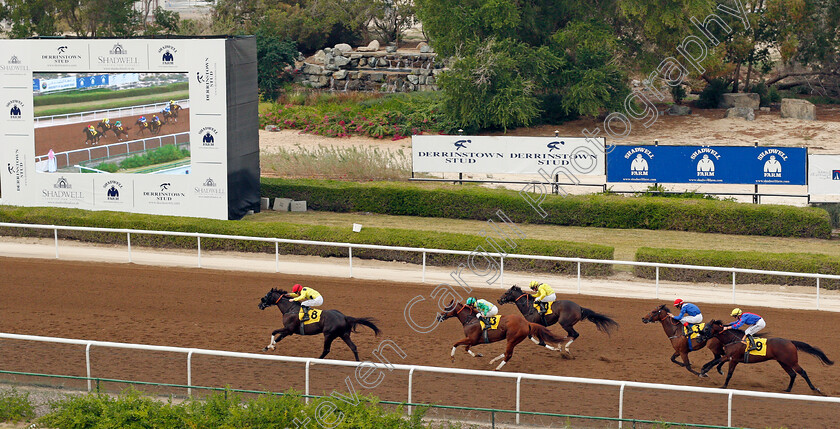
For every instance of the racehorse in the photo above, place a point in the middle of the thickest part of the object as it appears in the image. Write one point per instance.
(152, 126)
(566, 313)
(102, 126)
(174, 109)
(121, 130)
(333, 324)
(779, 349)
(514, 328)
(92, 137)
(674, 331)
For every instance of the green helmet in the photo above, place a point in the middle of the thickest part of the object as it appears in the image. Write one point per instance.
(470, 301)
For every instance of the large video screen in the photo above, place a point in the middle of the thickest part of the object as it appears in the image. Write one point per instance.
(137, 125)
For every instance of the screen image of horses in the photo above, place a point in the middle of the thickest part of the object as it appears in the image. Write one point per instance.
(136, 123)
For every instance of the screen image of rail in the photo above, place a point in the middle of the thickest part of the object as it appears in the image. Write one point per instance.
(133, 123)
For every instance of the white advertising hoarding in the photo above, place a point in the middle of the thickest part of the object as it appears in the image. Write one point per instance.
(199, 187)
(505, 154)
(824, 177)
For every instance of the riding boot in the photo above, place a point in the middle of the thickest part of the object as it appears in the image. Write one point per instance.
(486, 322)
(305, 313)
(752, 343)
(543, 308)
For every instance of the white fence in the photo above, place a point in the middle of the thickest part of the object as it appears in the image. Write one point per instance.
(310, 362)
(424, 251)
(86, 155)
(91, 115)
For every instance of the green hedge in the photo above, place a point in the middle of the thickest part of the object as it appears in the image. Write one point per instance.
(380, 236)
(105, 94)
(606, 211)
(793, 262)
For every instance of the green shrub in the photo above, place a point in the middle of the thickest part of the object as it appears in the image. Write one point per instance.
(380, 236)
(712, 94)
(773, 95)
(792, 262)
(220, 410)
(678, 94)
(833, 210)
(105, 94)
(105, 166)
(606, 211)
(160, 155)
(763, 94)
(15, 406)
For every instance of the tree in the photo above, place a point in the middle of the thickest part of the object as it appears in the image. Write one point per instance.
(394, 17)
(274, 55)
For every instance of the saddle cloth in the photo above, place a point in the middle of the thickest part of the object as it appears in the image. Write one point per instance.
(314, 316)
(494, 322)
(696, 330)
(761, 347)
(549, 311)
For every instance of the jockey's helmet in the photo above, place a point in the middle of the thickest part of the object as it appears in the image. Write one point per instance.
(678, 302)
(470, 301)
(736, 312)
(106, 120)
(118, 123)
(297, 288)
(90, 127)
(534, 284)
(171, 102)
(143, 118)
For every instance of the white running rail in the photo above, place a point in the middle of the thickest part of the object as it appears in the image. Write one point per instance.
(350, 246)
(92, 115)
(151, 142)
(310, 362)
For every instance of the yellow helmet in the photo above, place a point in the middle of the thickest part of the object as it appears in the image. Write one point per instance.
(534, 284)
(736, 312)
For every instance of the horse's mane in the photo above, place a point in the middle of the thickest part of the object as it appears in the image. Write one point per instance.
(280, 291)
(516, 288)
(733, 330)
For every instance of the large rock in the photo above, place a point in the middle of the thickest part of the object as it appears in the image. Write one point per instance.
(343, 48)
(376, 77)
(423, 47)
(340, 75)
(413, 78)
(320, 56)
(341, 61)
(678, 110)
(747, 113)
(373, 46)
(750, 100)
(312, 68)
(390, 49)
(798, 109)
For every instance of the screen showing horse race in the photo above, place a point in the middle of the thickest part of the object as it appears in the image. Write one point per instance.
(138, 125)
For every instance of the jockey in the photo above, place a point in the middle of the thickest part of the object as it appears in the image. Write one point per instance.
(545, 294)
(92, 129)
(118, 124)
(307, 297)
(165, 110)
(756, 322)
(156, 119)
(143, 119)
(485, 308)
(106, 121)
(689, 313)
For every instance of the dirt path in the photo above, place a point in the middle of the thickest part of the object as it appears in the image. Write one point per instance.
(218, 310)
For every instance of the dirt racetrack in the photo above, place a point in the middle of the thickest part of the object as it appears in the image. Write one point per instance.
(218, 310)
(63, 138)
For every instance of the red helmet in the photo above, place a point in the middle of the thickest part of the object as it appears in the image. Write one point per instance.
(678, 302)
(297, 288)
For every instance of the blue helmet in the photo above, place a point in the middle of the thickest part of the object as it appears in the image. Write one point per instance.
(142, 118)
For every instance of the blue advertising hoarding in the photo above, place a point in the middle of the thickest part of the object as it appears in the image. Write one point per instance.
(89, 81)
(707, 164)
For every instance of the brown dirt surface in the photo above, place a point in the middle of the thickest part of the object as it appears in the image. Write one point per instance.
(218, 310)
(63, 138)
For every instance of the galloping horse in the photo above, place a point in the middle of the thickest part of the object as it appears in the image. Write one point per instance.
(566, 313)
(778, 349)
(174, 109)
(104, 127)
(674, 331)
(152, 126)
(121, 130)
(91, 137)
(333, 324)
(514, 328)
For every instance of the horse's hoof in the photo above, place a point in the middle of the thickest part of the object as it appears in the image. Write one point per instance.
(702, 375)
(478, 355)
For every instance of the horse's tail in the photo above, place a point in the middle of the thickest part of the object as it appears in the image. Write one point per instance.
(811, 350)
(366, 321)
(602, 322)
(543, 334)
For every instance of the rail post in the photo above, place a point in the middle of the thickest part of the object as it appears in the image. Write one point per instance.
(818, 293)
(733, 286)
(350, 257)
(410, 384)
(55, 231)
(502, 271)
(306, 386)
(424, 266)
(199, 251)
(87, 364)
(621, 405)
(729, 411)
(578, 267)
(276, 256)
(518, 394)
(128, 238)
(657, 282)
(189, 373)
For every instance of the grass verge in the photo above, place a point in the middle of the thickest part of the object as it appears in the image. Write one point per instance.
(598, 210)
(15, 406)
(794, 262)
(110, 104)
(379, 236)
